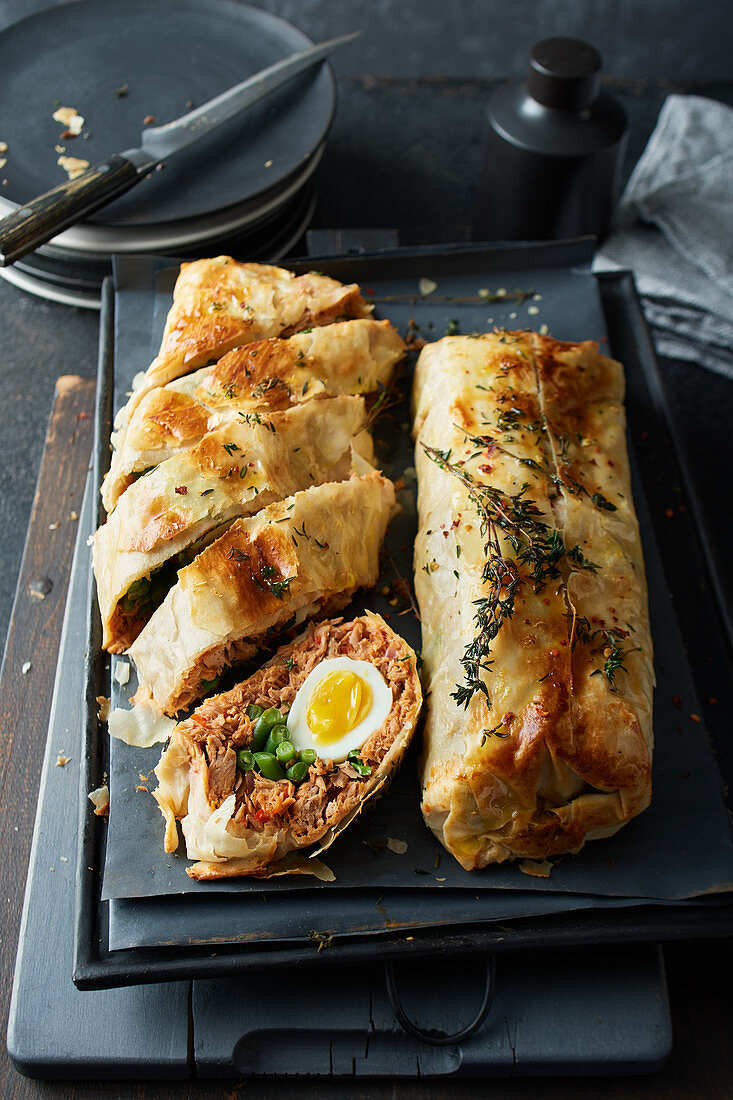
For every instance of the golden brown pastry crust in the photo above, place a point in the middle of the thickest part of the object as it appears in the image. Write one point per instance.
(349, 357)
(220, 304)
(235, 471)
(296, 557)
(553, 752)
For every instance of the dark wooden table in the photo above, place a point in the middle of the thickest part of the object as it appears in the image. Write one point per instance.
(414, 151)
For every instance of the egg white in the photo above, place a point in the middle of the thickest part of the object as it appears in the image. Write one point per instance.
(300, 733)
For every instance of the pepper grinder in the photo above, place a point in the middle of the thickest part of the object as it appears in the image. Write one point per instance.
(553, 149)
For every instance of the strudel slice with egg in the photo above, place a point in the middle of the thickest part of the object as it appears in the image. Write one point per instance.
(299, 557)
(289, 757)
(530, 580)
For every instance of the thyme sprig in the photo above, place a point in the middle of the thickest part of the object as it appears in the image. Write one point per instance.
(604, 640)
(268, 579)
(537, 547)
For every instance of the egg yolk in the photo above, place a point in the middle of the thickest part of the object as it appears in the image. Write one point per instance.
(337, 705)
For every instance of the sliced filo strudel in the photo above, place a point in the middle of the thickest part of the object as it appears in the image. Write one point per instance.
(356, 357)
(166, 517)
(220, 304)
(530, 580)
(289, 757)
(299, 557)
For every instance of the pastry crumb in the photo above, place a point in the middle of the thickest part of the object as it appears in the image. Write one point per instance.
(71, 119)
(62, 761)
(73, 166)
(122, 673)
(100, 800)
(537, 868)
(26, 667)
(104, 704)
(399, 847)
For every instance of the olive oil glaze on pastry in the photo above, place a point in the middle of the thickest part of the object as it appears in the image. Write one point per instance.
(530, 580)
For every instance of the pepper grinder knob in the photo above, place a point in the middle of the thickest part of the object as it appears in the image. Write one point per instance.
(553, 149)
(564, 73)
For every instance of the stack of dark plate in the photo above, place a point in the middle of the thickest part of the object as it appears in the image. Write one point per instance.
(246, 189)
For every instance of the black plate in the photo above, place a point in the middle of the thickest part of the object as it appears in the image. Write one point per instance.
(78, 54)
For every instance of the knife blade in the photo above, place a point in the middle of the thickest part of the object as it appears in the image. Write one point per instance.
(42, 218)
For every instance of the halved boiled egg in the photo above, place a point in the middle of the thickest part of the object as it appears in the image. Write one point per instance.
(338, 707)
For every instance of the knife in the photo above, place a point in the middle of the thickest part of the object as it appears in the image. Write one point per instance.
(49, 214)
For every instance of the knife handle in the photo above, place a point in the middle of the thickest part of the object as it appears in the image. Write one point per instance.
(44, 217)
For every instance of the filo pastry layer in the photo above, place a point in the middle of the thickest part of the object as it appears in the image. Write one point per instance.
(232, 472)
(531, 585)
(220, 304)
(238, 823)
(300, 556)
(356, 357)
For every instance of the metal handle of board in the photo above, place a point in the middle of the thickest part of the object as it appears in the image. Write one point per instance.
(441, 1040)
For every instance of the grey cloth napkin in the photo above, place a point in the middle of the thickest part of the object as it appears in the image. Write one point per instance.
(674, 229)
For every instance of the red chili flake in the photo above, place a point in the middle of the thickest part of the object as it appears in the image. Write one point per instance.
(260, 815)
(685, 775)
(669, 512)
(554, 652)
(643, 435)
(712, 700)
(486, 468)
(370, 290)
(82, 416)
(148, 120)
(677, 702)
(696, 718)
(445, 534)
(546, 601)
(182, 489)
(610, 862)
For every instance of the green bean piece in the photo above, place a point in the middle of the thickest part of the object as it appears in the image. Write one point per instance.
(308, 756)
(254, 712)
(285, 752)
(263, 726)
(209, 685)
(278, 734)
(296, 773)
(268, 765)
(245, 760)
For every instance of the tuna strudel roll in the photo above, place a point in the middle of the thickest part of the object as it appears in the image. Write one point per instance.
(289, 757)
(530, 579)
(160, 522)
(356, 357)
(298, 557)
